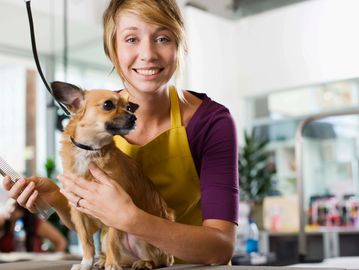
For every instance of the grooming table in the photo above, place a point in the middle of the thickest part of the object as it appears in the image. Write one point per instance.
(66, 265)
(339, 262)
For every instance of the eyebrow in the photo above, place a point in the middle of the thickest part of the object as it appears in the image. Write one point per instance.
(130, 28)
(159, 29)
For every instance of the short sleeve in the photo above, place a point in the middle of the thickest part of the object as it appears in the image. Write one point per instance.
(213, 142)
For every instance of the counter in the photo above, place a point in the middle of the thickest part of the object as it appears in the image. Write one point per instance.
(66, 265)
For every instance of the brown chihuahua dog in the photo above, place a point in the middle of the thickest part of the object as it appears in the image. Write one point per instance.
(97, 116)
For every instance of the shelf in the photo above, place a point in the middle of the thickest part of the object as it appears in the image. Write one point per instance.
(275, 145)
(319, 230)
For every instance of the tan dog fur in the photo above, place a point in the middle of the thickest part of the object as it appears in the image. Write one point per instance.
(87, 126)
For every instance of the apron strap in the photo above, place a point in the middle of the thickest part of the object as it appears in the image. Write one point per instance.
(176, 120)
(126, 96)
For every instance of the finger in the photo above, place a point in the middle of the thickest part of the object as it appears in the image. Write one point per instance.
(100, 175)
(38, 181)
(71, 197)
(86, 211)
(71, 187)
(26, 193)
(73, 180)
(9, 206)
(87, 207)
(7, 183)
(84, 203)
(30, 204)
(66, 182)
(17, 188)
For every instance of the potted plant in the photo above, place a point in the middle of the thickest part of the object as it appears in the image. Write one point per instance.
(256, 172)
(50, 167)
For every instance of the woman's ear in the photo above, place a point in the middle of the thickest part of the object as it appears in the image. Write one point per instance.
(68, 94)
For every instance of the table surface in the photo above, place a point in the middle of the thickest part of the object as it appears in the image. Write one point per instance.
(66, 265)
(338, 262)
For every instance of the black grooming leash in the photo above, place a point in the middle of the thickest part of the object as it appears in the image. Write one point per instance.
(36, 58)
(34, 50)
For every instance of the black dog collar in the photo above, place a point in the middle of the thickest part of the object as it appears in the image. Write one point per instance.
(84, 146)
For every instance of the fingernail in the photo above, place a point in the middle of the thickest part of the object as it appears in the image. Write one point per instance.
(21, 180)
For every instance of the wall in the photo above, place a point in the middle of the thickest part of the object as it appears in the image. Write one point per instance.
(298, 45)
(310, 42)
(12, 111)
(211, 65)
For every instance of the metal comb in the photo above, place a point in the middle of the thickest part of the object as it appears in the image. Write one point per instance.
(43, 208)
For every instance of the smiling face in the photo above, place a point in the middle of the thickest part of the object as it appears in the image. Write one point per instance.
(147, 53)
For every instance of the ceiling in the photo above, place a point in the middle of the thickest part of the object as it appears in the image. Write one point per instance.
(84, 29)
(84, 25)
(236, 9)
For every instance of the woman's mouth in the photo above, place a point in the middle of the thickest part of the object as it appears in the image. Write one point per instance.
(148, 72)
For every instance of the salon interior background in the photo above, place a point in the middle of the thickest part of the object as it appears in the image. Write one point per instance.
(240, 53)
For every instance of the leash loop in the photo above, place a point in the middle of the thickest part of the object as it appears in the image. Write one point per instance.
(36, 58)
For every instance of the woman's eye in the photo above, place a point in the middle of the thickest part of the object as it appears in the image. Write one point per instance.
(131, 40)
(108, 105)
(163, 40)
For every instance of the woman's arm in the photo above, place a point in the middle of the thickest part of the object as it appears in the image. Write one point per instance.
(26, 190)
(211, 243)
(48, 231)
(62, 208)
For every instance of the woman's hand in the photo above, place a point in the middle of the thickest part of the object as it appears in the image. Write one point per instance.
(104, 198)
(26, 191)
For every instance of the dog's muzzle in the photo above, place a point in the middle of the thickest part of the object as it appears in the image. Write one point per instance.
(122, 124)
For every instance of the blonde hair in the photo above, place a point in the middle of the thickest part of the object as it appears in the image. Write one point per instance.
(164, 13)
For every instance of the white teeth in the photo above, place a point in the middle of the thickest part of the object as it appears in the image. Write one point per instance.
(148, 72)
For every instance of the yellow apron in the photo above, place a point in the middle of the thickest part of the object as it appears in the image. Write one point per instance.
(168, 162)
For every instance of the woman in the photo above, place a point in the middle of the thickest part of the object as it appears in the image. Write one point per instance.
(184, 141)
(36, 231)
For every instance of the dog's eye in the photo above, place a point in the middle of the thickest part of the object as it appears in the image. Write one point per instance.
(132, 107)
(108, 105)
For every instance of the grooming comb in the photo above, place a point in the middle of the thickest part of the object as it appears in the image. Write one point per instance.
(43, 208)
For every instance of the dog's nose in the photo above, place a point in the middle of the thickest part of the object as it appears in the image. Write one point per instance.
(132, 118)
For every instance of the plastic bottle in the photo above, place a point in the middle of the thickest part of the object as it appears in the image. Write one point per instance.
(252, 236)
(240, 248)
(20, 236)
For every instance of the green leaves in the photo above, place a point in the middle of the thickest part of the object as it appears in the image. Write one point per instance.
(50, 167)
(255, 174)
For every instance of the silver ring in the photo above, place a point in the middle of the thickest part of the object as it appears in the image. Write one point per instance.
(78, 202)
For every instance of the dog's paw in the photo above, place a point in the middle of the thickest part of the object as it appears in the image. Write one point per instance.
(81, 267)
(100, 264)
(113, 267)
(84, 265)
(143, 265)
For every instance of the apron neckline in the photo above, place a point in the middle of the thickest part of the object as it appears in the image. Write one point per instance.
(176, 119)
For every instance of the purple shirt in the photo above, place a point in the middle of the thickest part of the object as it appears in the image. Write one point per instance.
(213, 142)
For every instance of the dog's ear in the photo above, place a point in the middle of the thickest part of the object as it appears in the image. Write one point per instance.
(68, 94)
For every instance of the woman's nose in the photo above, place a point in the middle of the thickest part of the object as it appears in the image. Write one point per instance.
(148, 51)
